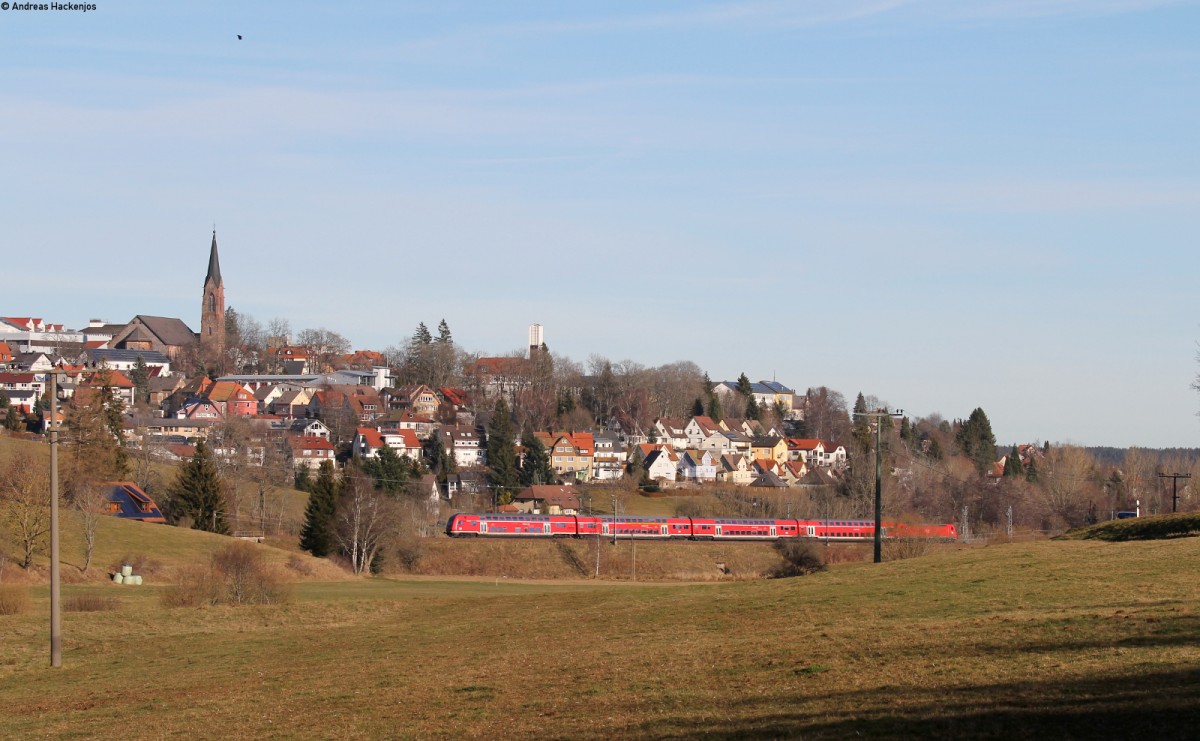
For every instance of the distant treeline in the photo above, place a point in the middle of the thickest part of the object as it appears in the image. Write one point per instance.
(1116, 456)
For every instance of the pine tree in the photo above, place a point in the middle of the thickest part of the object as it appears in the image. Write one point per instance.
(388, 469)
(752, 410)
(15, 419)
(422, 336)
(976, 441)
(535, 468)
(714, 407)
(316, 536)
(862, 423)
(1013, 467)
(697, 408)
(441, 461)
(444, 333)
(906, 431)
(935, 449)
(502, 451)
(140, 375)
(197, 494)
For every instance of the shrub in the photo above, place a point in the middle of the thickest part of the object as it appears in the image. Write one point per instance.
(409, 552)
(14, 599)
(300, 565)
(195, 586)
(237, 574)
(897, 549)
(90, 602)
(800, 558)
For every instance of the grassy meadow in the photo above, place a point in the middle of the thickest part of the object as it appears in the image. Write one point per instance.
(1032, 640)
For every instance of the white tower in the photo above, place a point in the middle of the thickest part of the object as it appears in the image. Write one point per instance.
(535, 339)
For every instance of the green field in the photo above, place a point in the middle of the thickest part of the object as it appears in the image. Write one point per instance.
(1041, 640)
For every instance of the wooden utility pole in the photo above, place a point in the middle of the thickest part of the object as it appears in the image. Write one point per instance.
(55, 586)
(878, 417)
(1174, 487)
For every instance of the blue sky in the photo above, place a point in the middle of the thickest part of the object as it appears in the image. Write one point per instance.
(944, 204)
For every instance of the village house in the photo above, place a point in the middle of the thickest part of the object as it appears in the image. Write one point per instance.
(699, 466)
(309, 452)
(610, 457)
(549, 499)
(661, 465)
(463, 443)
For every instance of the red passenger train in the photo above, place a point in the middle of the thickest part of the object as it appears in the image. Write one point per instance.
(497, 525)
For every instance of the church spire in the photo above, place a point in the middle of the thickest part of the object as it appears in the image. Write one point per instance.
(214, 264)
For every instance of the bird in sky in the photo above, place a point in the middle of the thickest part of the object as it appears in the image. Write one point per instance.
(239, 37)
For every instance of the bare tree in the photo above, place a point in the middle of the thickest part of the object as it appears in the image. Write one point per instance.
(24, 503)
(365, 516)
(88, 501)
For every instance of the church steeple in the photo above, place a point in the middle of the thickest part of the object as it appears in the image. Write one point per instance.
(214, 264)
(212, 313)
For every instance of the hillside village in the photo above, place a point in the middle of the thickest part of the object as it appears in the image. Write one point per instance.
(285, 403)
(310, 405)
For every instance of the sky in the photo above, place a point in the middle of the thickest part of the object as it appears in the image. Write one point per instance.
(944, 204)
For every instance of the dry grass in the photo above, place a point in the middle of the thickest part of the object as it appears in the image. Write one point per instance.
(1043, 640)
(14, 599)
(90, 602)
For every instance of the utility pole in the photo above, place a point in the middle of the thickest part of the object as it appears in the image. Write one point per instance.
(1174, 487)
(878, 417)
(55, 585)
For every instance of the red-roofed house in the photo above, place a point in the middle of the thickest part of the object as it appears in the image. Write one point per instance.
(232, 399)
(549, 499)
(308, 452)
(23, 390)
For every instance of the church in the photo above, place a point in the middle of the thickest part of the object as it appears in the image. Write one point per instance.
(173, 338)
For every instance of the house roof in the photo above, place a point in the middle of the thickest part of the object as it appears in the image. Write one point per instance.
(214, 264)
(803, 443)
(370, 436)
(310, 443)
(168, 330)
(98, 355)
(769, 480)
(561, 496)
(130, 502)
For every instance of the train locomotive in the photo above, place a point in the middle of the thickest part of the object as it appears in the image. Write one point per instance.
(497, 525)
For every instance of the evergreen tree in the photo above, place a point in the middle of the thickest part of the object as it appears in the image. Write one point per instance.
(4, 400)
(752, 410)
(697, 408)
(15, 419)
(1031, 472)
(714, 407)
(389, 470)
(140, 375)
(197, 494)
(1013, 467)
(302, 481)
(862, 423)
(317, 535)
(976, 441)
(744, 386)
(422, 335)
(535, 467)
(444, 333)
(441, 461)
(96, 421)
(502, 451)
(935, 449)
(906, 431)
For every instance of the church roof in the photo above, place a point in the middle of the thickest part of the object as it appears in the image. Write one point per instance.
(214, 264)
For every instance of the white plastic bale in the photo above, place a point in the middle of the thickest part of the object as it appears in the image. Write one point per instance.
(126, 570)
(118, 578)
